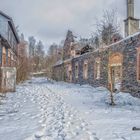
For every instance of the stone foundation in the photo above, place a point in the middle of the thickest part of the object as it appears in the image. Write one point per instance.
(7, 79)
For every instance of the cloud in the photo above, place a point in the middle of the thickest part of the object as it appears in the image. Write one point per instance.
(49, 20)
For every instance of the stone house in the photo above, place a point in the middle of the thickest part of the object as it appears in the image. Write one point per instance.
(116, 65)
(8, 53)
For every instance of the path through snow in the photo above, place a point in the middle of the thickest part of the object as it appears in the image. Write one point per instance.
(60, 121)
(45, 110)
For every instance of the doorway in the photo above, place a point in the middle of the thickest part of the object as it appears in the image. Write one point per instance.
(115, 72)
(116, 77)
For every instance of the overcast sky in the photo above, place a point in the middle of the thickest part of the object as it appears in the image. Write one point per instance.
(49, 20)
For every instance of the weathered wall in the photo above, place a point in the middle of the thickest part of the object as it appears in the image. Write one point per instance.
(130, 82)
(58, 73)
(67, 45)
(128, 49)
(7, 79)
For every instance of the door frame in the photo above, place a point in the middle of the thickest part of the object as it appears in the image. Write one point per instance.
(115, 60)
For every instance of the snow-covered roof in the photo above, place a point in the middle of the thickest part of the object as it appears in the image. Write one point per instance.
(98, 49)
(116, 43)
(58, 63)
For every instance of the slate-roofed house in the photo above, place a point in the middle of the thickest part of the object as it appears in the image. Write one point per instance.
(116, 65)
(9, 41)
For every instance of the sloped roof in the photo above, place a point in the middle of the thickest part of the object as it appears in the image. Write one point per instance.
(11, 23)
(78, 45)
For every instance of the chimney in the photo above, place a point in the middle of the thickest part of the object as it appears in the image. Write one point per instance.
(130, 8)
(131, 23)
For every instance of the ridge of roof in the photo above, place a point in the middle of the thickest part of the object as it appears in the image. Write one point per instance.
(5, 15)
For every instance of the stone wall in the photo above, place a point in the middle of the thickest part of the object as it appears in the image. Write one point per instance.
(7, 79)
(67, 45)
(127, 48)
(58, 73)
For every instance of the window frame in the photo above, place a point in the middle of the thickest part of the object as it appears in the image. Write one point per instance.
(76, 70)
(97, 74)
(4, 56)
(85, 70)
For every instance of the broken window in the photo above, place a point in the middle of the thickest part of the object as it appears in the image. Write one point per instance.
(97, 68)
(85, 70)
(76, 70)
(69, 72)
(4, 57)
(73, 53)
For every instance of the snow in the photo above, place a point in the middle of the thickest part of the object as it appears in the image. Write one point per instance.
(58, 63)
(42, 109)
(118, 42)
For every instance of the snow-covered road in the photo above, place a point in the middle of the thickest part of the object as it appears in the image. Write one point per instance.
(47, 110)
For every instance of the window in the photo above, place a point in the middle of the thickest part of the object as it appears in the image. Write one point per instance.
(97, 68)
(70, 72)
(4, 57)
(85, 70)
(73, 53)
(9, 57)
(76, 70)
(138, 64)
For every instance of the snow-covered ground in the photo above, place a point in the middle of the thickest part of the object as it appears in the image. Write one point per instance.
(46, 110)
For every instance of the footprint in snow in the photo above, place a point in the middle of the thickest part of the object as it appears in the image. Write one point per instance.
(33, 117)
(95, 138)
(39, 134)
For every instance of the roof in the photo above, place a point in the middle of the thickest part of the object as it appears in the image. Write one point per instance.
(78, 45)
(11, 23)
(59, 62)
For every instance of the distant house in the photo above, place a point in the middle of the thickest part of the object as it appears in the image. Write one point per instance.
(9, 41)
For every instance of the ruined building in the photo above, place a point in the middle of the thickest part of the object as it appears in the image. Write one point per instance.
(8, 53)
(116, 65)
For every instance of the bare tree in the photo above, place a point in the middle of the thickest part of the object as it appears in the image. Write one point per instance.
(55, 54)
(107, 27)
(23, 65)
(39, 56)
(32, 43)
(53, 49)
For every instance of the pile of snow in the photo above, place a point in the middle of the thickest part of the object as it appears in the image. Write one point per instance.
(125, 99)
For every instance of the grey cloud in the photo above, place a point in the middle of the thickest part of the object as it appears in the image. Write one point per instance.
(49, 20)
